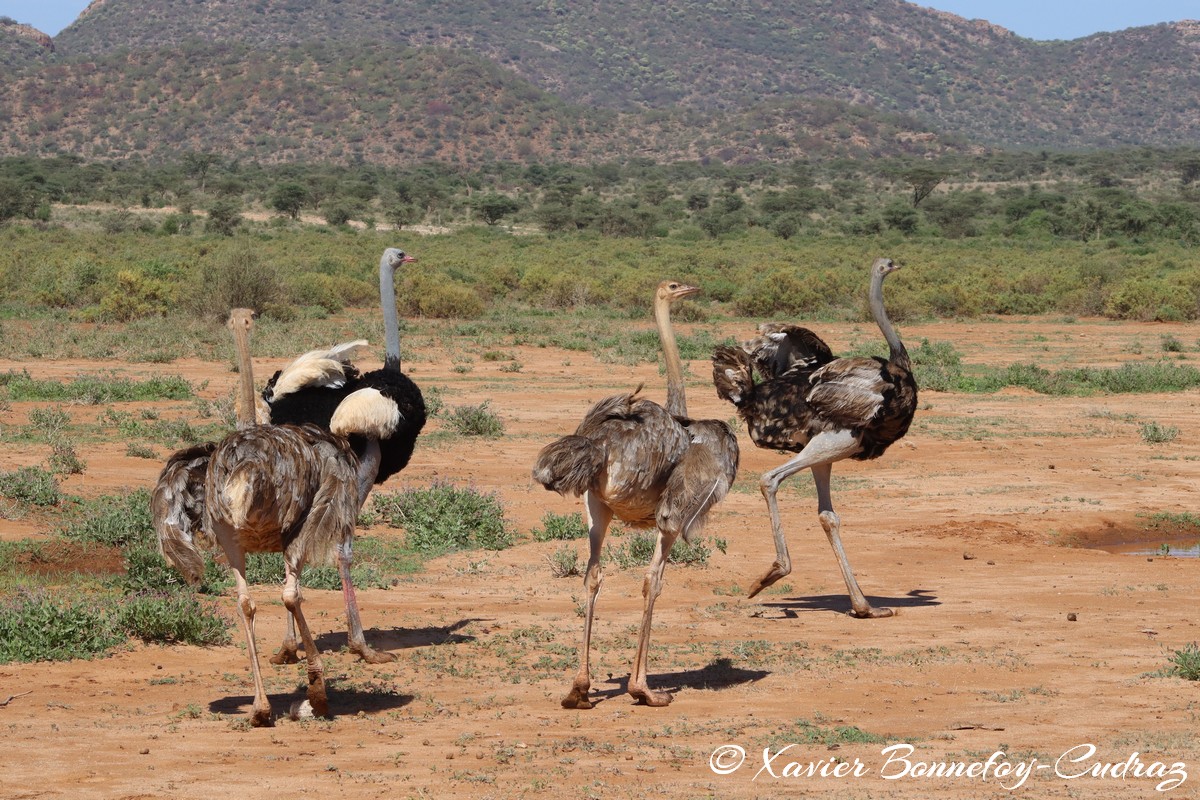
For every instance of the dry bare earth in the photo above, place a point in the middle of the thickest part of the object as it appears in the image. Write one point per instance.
(973, 528)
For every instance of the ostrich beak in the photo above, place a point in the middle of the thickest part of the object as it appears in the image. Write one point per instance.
(407, 259)
(686, 291)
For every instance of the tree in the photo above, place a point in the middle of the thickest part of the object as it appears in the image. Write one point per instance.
(401, 214)
(493, 207)
(923, 181)
(224, 216)
(288, 198)
(197, 165)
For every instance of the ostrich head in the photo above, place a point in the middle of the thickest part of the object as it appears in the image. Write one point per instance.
(883, 267)
(671, 291)
(394, 257)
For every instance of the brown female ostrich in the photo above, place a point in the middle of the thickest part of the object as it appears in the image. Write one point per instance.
(645, 465)
(822, 408)
(269, 488)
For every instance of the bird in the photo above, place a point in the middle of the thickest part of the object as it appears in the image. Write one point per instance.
(648, 466)
(821, 408)
(386, 410)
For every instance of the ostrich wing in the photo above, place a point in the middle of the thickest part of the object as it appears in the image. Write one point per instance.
(177, 507)
(849, 392)
(317, 369)
(701, 479)
(781, 348)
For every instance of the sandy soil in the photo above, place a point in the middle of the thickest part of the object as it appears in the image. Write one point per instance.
(1014, 634)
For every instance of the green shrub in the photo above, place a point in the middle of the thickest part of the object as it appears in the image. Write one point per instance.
(1153, 433)
(64, 460)
(177, 617)
(1185, 662)
(37, 626)
(444, 518)
(115, 520)
(475, 421)
(638, 549)
(31, 485)
(564, 563)
(557, 527)
(95, 389)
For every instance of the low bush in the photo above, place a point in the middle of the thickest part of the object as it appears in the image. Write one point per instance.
(444, 518)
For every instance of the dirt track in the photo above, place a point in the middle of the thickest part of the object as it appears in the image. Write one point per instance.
(974, 528)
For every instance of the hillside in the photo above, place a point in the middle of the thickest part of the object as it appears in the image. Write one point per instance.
(394, 105)
(969, 78)
(21, 46)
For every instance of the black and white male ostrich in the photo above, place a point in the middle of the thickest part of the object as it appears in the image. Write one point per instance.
(313, 389)
(646, 465)
(270, 488)
(822, 408)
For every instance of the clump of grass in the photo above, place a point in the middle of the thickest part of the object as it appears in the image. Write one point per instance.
(173, 618)
(135, 450)
(564, 562)
(38, 626)
(115, 520)
(31, 485)
(475, 421)
(95, 389)
(1170, 344)
(64, 460)
(560, 527)
(1185, 663)
(638, 549)
(1153, 433)
(49, 422)
(444, 518)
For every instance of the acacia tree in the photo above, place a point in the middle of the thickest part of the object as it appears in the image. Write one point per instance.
(288, 198)
(493, 207)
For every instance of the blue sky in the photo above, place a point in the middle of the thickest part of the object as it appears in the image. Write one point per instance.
(1034, 19)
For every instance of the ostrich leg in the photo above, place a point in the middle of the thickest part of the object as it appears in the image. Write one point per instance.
(832, 523)
(824, 448)
(316, 669)
(651, 588)
(598, 518)
(260, 714)
(358, 642)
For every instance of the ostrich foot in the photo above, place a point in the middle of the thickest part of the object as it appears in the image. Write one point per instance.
(870, 612)
(371, 655)
(261, 717)
(648, 697)
(288, 653)
(776, 572)
(578, 696)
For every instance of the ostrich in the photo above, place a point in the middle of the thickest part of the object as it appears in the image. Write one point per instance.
(384, 411)
(648, 466)
(822, 408)
(264, 488)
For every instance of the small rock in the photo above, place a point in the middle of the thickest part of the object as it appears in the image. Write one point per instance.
(991, 563)
(968, 556)
(1072, 617)
(145, 751)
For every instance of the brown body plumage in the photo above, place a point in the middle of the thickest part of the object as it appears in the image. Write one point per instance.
(287, 489)
(648, 466)
(825, 409)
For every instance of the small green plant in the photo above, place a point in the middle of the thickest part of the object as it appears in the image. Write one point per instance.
(1185, 662)
(31, 485)
(475, 421)
(49, 422)
(135, 450)
(444, 518)
(560, 527)
(564, 562)
(173, 618)
(37, 626)
(115, 520)
(638, 549)
(64, 460)
(1171, 344)
(1153, 433)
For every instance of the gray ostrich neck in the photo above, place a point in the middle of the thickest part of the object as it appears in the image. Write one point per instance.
(898, 353)
(391, 321)
(676, 400)
(245, 407)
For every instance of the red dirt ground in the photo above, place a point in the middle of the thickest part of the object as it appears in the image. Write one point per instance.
(977, 528)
